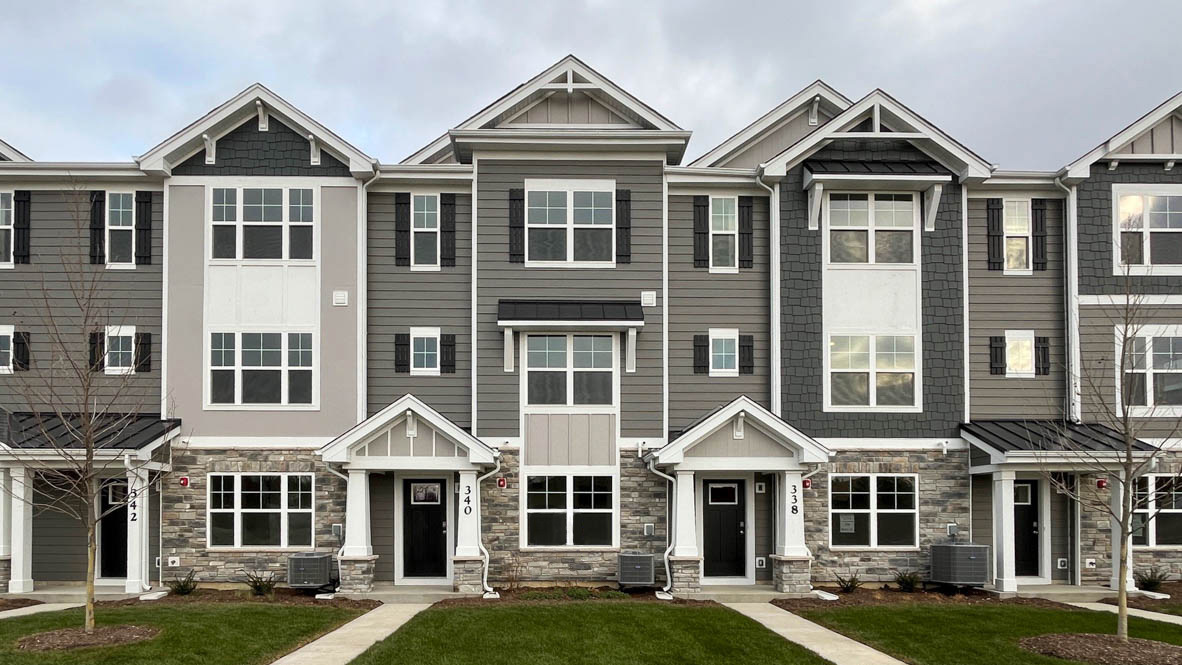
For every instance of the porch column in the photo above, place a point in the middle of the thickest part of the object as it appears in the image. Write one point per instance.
(1115, 498)
(467, 530)
(21, 580)
(685, 521)
(5, 515)
(357, 543)
(1004, 578)
(790, 517)
(138, 519)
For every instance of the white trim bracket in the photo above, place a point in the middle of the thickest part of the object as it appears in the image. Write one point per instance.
(314, 149)
(211, 147)
(931, 205)
(816, 194)
(264, 117)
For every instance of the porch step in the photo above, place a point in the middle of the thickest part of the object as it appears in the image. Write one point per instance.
(70, 595)
(416, 595)
(760, 593)
(1065, 593)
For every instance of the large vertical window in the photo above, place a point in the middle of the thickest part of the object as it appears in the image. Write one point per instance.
(584, 376)
(120, 229)
(6, 229)
(873, 511)
(1016, 223)
(425, 229)
(262, 223)
(724, 234)
(570, 222)
(876, 371)
(120, 349)
(260, 510)
(261, 368)
(569, 511)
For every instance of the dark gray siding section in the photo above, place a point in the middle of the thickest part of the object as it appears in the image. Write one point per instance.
(1095, 229)
(699, 300)
(498, 391)
(59, 540)
(400, 298)
(1000, 302)
(1061, 523)
(381, 524)
(154, 499)
(247, 151)
(943, 319)
(765, 540)
(41, 293)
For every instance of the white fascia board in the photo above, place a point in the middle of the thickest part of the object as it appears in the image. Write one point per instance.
(570, 325)
(673, 143)
(337, 450)
(70, 170)
(457, 175)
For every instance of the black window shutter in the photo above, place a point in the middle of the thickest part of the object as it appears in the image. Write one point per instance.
(746, 233)
(402, 229)
(447, 354)
(447, 230)
(402, 353)
(143, 352)
(1042, 356)
(20, 351)
(701, 231)
(98, 351)
(20, 226)
(98, 245)
(996, 239)
(701, 354)
(997, 355)
(1038, 228)
(516, 225)
(746, 353)
(623, 226)
(143, 228)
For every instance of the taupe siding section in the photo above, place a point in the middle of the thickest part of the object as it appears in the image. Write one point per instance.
(38, 295)
(699, 300)
(774, 142)
(1000, 302)
(400, 298)
(722, 443)
(982, 513)
(59, 540)
(381, 524)
(498, 391)
(570, 439)
(1060, 533)
(1164, 138)
(764, 524)
(577, 108)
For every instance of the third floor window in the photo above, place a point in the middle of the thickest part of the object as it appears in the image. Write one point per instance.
(570, 222)
(872, 228)
(262, 223)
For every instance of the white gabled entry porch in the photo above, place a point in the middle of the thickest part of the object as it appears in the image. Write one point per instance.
(412, 512)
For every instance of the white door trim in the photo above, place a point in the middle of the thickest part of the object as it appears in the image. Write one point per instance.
(749, 521)
(1045, 562)
(400, 477)
(98, 546)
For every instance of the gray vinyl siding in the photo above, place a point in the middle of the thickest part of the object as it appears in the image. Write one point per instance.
(59, 540)
(764, 524)
(400, 298)
(498, 391)
(700, 300)
(154, 514)
(381, 524)
(982, 510)
(1000, 302)
(246, 151)
(1061, 524)
(35, 295)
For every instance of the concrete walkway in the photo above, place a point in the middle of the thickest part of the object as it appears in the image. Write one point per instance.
(827, 644)
(352, 639)
(37, 609)
(1133, 612)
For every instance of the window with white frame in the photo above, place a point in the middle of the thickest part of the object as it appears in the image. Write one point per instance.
(724, 233)
(424, 246)
(424, 351)
(872, 371)
(1152, 367)
(262, 223)
(874, 511)
(254, 510)
(6, 229)
(584, 376)
(1150, 226)
(120, 229)
(261, 368)
(570, 222)
(6, 335)
(1019, 354)
(1016, 224)
(1157, 511)
(569, 511)
(724, 352)
(872, 227)
(120, 350)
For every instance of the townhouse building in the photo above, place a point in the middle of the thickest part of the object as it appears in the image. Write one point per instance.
(835, 339)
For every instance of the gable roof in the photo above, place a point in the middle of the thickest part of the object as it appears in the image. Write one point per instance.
(337, 450)
(11, 154)
(1081, 168)
(811, 451)
(254, 101)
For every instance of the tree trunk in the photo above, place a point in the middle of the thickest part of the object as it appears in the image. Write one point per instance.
(91, 543)
(1122, 596)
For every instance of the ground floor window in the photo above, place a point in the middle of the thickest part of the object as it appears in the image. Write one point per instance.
(873, 510)
(569, 511)
(260, 510)
(1157, 518)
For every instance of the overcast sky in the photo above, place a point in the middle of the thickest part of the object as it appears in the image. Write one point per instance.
(1028, 85)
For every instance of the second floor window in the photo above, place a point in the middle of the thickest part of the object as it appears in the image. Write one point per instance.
(1150, 227)
(569, 370)
(424, 351)
(425, 228)
(120, 348)
(570, 222)
(1153, 372)
(6, 228)
(261, 368)
(120, 229)
(1016, 221)
(724, 233)
(872, 228)
(258, 223)
(724, 352)
(872, 371)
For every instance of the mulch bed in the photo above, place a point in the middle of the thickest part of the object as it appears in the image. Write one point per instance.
(281, 596)
(567, 594)
(15, 603)
(76, 638)
(868, 597)
(1143, 603)
(1104, 649)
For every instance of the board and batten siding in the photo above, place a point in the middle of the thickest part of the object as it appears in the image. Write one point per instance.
(498, 391)
(700, 300)
(401, 298)
(1000, 302)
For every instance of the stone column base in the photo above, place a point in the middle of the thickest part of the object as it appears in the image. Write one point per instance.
(357, 573)
(5, 571)
(687, 574)
(791, 574)
(467, 574)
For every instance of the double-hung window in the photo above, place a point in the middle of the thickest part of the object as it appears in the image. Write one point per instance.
(724, 352)
(1016, 223)
(873, 511)
(1149, 223)
(424, 247)
(6, 335)
(120, 350)
(261, 368)
(6, 229)
(570, 222)
(1152, 384)
(424, 351)
(724, 234)
(570, 370)
(1157, 511)
(1020, 354)
(872, 228)
(260, 510)
(569, 511)
(874, 371)
(120, 229)
(262, 223)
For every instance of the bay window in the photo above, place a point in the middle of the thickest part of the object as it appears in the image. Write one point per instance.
(583, 376)
(262, 223)
(569, 511)
(872, 228)
(273, 510)
(872, 371)
(873, 511)
(570, 222)
(261, 368)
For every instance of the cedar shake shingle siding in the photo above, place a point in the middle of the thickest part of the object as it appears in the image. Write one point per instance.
(246, 151)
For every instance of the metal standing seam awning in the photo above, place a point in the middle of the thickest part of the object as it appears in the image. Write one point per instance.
(1017, 441)
(32, 434)
(558, 315)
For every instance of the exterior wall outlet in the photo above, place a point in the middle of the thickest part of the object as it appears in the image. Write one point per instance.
(1061, 563)
(650, 529)
(953, 529)
(760, 562)
(1089, 563)
(174, 561)
(338, 531)
(760, 488)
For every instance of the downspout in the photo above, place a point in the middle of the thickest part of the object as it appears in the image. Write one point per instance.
(1074, 406)
(664, 593)
(774, 304)
(341, 549)
(488, 591)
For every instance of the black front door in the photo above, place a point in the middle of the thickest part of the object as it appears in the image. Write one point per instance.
(724, 539)
(424, 528)
(1026, 540)
(113, 531)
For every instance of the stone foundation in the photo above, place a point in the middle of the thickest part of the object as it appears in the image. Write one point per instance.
(687, 574)
(467, 574)
(791, 574)
(5, 572)
(357, 574)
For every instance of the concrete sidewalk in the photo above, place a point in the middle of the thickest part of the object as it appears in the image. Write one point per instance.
(1133, 612)
(37, 609)
(352, 639)
(827, 644)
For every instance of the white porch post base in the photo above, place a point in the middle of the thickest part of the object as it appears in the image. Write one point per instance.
(1116, 497)
(137, 531)
(357, 541)
(790, 518)
(467, 533)
(1004, 577)
(685, 516)
(21, 580)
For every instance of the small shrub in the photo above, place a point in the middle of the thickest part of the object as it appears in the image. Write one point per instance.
(578, 593)
(261, 584)
(540, 594)
(1152, 579)
(612, 594)
(908, 581)
(182, 586)
(848, 584)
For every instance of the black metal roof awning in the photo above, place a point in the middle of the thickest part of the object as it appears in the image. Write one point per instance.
(597, 313)
(1048, 436)
(123, 431)
(873, 168)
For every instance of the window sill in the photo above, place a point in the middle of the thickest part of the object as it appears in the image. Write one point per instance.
(262, 262)
(569, 548)
(1019, 273)
(1019, 375)
(714, 270)
(259, 550)
(5, 370)
(7, 266)
(424, 372)
(872, 266)
(1147, 270)
(1155, 411)
(829, 408)
(861, 548)
(724, 373)
(569, 265)
(425, 268)
(261, 407)
(119, 371)
(120, 266)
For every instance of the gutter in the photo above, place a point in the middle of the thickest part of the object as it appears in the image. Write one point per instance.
(774, 279)
(664, 593)
(341, 549)
(1074, 405)
(488, 590)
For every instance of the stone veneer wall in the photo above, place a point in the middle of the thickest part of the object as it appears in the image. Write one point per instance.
(5, 572)
(184, 528)
(943, 499)
(643, 500)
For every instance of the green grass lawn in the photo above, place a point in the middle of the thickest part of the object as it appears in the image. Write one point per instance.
(585, 633)
(929, 634)
(205, 634)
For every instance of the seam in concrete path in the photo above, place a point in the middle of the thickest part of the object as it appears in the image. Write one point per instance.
(1133, 612)
(37, 609)
(352, 639)
(830, 645)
